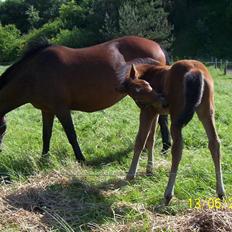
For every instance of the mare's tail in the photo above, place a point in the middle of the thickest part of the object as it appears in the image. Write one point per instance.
(193, 91)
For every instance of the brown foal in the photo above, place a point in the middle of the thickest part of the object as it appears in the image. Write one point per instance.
(188, 87)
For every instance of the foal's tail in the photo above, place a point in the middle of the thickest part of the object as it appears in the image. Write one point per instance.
(193, 87)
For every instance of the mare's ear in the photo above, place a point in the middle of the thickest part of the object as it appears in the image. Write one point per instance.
(134, 74)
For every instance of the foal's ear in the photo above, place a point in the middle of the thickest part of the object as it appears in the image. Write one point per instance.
(134, 74)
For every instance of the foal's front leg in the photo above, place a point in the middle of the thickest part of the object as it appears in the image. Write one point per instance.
(146, 119)
(150, 146)
(177, 148)
(166, 138)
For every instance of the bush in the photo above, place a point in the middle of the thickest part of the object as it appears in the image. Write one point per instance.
(74, 38)
(10, 43)
(48, 31)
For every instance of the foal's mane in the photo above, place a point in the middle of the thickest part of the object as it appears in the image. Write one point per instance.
(124, 69)
(32, 49)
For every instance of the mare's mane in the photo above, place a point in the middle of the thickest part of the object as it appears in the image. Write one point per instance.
(32, 49)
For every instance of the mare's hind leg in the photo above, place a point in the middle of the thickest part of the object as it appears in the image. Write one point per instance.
(48, 119)
(146, 120)
(67, 123)
(166, 138)
(150, 147)
(208, 121)
(177, 148)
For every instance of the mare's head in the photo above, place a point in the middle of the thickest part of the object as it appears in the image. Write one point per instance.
(2, 129)
(140, 90)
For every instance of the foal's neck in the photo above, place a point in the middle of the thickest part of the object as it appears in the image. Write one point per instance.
(156, 76)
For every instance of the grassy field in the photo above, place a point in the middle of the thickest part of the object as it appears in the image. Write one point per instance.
(62, 196)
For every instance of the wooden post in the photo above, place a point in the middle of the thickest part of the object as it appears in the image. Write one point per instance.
(225, 68)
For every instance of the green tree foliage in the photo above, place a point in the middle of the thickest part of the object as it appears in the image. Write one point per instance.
(202, 28)
(32, 16)
(10, 43)
(145, 18)
(76, 13)
(29, 13)
(13, 12)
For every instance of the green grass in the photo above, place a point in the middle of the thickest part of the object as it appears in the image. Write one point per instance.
(107, 139)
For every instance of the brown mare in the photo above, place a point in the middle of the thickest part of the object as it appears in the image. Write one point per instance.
(188, 87)
(57, 79)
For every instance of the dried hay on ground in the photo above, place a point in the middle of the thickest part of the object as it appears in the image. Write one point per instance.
(44, 204)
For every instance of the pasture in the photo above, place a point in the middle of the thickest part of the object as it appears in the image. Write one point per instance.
(62, 196)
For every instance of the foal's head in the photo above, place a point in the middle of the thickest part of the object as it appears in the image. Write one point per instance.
(140, 90)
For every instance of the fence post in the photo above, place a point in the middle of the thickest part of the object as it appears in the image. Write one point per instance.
(221, 67)
(225, 68)
(215, 65)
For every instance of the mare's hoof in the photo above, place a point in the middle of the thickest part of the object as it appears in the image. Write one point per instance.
(45, 159)
(167, 200)
(149, 173)
(81, 161)
(130, 177)
(165, 149)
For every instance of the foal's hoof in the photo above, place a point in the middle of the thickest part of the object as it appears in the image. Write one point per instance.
(221, 196)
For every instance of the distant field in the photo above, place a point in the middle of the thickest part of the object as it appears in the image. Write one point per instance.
(62, 196)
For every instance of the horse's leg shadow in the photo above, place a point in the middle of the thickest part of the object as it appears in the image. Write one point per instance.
(111, 157)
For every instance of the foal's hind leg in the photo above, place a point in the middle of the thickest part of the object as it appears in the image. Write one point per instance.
(177, 148)
(48, 119)
(146, 119)
(208, 121)
(166, 139)
(150, 146)
(65, 118)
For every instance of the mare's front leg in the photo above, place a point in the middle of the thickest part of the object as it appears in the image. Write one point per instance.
(166, 138)
(208, 121)
(146, 120)
(177, 147)
(2, 129)
(48, 119)
(65, 118)
(150, 146)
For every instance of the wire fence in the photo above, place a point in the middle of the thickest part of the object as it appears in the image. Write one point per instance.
(224, 65)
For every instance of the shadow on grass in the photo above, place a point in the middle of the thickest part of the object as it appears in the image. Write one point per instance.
(72, 205)
(118, 156)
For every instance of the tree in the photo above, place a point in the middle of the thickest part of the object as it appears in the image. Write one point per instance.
(10, 42)
(145, 18)
(32, 16)
(29, 13)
